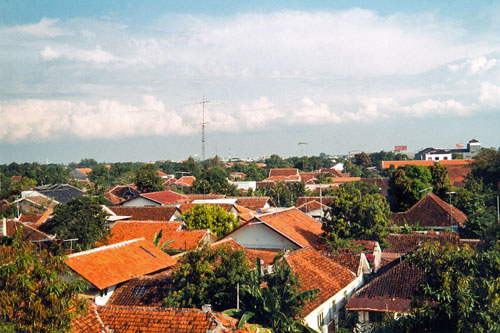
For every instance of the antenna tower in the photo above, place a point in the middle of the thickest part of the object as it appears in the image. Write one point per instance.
(203, 123)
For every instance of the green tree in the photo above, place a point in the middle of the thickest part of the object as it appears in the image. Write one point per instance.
(22, 185)
(100, 176)
(362, 159)
(408, 185)
(214, 181)
(191, 166)
(439, 180)
(82, 218)
(486, 166)
(460, 292)
(276, 162)
(352, 215)
(211, 217)
(34, 296)
(457, 156)
(208, 276)
(147, 179)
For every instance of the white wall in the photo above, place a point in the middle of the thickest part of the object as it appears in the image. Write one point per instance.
(140, 202)
(259, 236)
(329, 313)
(102, 300)
(440, 157)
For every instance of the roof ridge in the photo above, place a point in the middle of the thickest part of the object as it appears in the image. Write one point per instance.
(103, 248)
(280, 211)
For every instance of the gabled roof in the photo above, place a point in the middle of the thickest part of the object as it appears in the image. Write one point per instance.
(318, 272)
(120, 193)
(244, 213)
(165, 197)
(109, 265)
(324, 200)
(89, 322)
(311, 206)
(284, 172)
(85, 171)
(159, 213)
(266, 256)
(28, 233)
(149, 319)
(292, 224)
(254, 203)
(392, 291)
(182, 239)
(36, 218)
(400, 244)
(142, 291)
(431, 211)
(185, 181)
(351, 261)
(196, 196)
(61, 192)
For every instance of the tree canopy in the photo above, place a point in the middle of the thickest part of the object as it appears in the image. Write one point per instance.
(214, 180)
(82, 218)
(147, 178)
(35, 297)
(211, 217)
(408, 185)
(353, 215)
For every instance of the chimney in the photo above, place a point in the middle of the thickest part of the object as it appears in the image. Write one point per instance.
(206, 308)
(4, 227)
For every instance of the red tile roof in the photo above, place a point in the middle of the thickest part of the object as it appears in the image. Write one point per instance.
(284, 172)
(254, 203)
(457, 174)
(396, 164)
(244, 213)
(324, 200)
(185, 181)
(349, 260)
(392, 291)
(142, 291)
(267, 256)
(431, 211)
(28, 233)
(166, 197)
(84, 170)
(147, 319)
(311, 206)
(120, 193)
(183, 239)
(318, 272)
(342, 180)
(400, 244)
(159, 213)
(196, 196)
(89, 322)
(294, 225)
(109, 265)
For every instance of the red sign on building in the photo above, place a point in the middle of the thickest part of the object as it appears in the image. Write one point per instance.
(400, 148)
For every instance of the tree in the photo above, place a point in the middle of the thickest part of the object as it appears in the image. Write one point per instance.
(362, 159)
(486, 166)
(276, 162)
(100, 176)
(355, 216)
(460, 292)
(408, 185)
(35, 297)
(211, 217)
(214, 181)
(439, 180)
(191, 166)
(208, 276)
(82, 218)
(147, 179)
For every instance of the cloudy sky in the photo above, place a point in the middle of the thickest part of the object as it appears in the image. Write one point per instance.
(121, 80)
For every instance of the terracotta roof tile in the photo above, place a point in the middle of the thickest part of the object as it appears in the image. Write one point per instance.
(142, 291)
(431, 211)
(182, 239)
(400, 244)
(160, 213)
(89, 322)
(284, 172)
(244, 213)
(302, 200)
(254, 203)
(195, 196)
(458, 174)
(109, 265)
(28, 233)
(310, 206)
(84, 170)
(267, 256)
(146, 319)
(318, 272)
(396, 164)
(186, 181)
(391, 291)
(166, 197)
(349, 260)
(295, 225)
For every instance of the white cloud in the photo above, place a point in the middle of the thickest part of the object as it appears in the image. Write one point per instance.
(96, 55)
(474, 65)
(46, 28)
(260, 114)
(312, 113)
(49, 53)
(490, 94)
(431, 107)
(32, 120)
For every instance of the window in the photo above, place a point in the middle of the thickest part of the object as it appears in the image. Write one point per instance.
(320, 319)
(445, 158)
(139, 291)
(104, 292)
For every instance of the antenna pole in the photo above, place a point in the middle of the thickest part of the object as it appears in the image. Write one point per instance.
(203, 130)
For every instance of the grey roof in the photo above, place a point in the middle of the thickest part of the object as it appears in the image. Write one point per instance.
(60, 192)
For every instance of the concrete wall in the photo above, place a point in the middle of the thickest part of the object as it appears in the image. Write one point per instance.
(259, 236)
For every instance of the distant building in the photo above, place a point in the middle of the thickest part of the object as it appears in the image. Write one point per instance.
(432, 154)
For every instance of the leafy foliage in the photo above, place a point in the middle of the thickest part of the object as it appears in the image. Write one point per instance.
(461, 292)
(214, 181)
(81, 218)
(147, 179)
(355, 216)
(487, 167)
(408, 185)
(439, 180)
(34, 296)
(211, 217)
(208, 276)
(284, 194)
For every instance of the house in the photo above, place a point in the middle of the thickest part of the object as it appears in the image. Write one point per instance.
(314, 209)
(287, 228)
(324, 200)
(281, 175)
(35, 205)
(35, 220)
(161, 198)
(335, 283)
(234, 175)
(80, 174)
(244, 213)
(107, 266)
(10, 228)
(397, 164)
(136, 213)
(121, 193)
(427, 154)
(355, 262)
(255, 203)
(244, 185)
(181, 239)
(62, 193)
(266, 257)
(89, 322)
(142, 291)
(389, 293)
(431, 212)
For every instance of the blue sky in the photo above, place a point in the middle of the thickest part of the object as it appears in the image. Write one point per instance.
(119, 81)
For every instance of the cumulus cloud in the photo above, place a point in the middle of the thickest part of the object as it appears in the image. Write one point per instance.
(32, 120)
(46, 28)
(96, 55)
(312, 113)
(475, 65)
(490, 94)
(49, 53)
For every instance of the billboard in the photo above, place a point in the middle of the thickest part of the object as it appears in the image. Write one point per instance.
(459, 145)
(400, 148)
